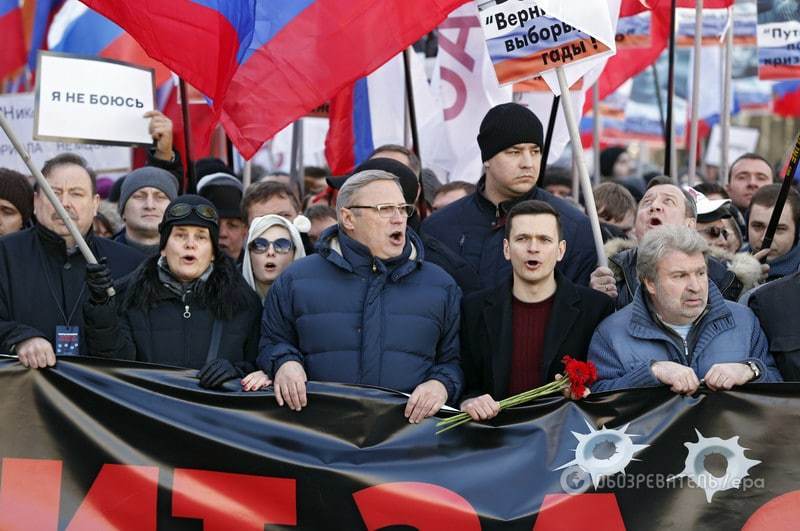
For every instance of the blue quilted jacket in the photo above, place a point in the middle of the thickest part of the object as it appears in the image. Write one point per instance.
(349, 317)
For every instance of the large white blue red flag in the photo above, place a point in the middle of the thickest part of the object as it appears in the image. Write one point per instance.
(265, 63)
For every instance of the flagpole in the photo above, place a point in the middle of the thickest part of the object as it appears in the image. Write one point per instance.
(247, 174)
(659, 101)
(670, 156)
(548, 138)
(189, 181)
(598, 127)
(87, 253)
(583, 172)
(727, 81)
(412, 111)
(693, 132)
(296, 161)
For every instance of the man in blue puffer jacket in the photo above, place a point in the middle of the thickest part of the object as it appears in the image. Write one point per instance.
(678, 329)
(367, 309)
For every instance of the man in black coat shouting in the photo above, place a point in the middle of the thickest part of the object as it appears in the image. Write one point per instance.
(514, 335)
(42, 271)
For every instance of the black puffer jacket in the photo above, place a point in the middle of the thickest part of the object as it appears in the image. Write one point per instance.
(149, 322)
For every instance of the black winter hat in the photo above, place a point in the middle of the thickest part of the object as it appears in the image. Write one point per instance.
(190, 210)
(608, 157)
(210, 165)
(506, 125)
(16, 189)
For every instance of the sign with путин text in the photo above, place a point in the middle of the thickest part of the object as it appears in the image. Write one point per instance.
(93, 100)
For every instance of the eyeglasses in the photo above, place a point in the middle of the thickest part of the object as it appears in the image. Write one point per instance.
(387, 210)
(182, 210)
(261, 245)
(716, 232)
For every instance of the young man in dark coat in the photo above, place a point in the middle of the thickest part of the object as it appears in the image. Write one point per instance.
(510, 139)
(514, 335)
(188, 307)
(366, 309)
(42, 270)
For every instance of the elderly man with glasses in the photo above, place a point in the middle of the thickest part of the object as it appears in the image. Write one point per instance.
(367, 309)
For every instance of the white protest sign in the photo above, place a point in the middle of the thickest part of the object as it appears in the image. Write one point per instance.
(92, 100)
(598, 18)
(742, 140)
(528, 37)
(18, 111)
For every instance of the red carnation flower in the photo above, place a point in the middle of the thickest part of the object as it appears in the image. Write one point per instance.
(580, 373)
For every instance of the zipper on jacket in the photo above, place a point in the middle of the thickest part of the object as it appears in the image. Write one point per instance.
(186, 312)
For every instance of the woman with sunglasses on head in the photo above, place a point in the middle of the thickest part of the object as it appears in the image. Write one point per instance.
(188, 306)
(273, 243)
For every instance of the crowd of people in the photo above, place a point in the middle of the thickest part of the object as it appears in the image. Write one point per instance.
(455, 294)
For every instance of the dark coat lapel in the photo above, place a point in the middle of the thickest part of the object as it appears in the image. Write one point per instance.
(563, 316)
(499, 321)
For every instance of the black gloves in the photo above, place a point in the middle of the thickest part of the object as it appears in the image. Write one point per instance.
(98, 278)
(217, 372)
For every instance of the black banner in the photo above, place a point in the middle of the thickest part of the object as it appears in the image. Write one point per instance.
(98, 444)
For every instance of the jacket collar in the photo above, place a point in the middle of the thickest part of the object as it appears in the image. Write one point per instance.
(353, 256)
(55, 244)
(500, 211)
(786, 264)
(644, 325)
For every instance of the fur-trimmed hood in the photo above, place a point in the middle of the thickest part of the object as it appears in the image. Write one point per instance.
(746, 268)
(224, 294)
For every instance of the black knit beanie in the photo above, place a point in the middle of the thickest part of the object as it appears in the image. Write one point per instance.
(507, 125)
(16, 189)
(193, 219)
(608, 157)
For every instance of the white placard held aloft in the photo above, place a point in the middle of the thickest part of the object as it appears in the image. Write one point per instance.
(81, 99)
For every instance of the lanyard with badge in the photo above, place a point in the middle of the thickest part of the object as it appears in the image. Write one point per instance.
(67, 337)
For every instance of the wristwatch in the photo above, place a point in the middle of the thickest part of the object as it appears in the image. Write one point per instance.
(754, 367)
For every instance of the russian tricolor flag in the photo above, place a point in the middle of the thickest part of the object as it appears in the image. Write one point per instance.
(264, 63)
(787, 98)
(12, 48)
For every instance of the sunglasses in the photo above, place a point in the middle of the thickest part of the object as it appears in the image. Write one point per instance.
(261, 245)
(716, 232)
(182, 210)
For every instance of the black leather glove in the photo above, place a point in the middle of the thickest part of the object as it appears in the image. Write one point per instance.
(98, 278)
(217, 372)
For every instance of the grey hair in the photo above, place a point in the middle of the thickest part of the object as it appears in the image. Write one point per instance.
(657, 243)
(358, 181)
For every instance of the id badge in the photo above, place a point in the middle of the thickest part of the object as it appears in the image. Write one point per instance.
(67, 341)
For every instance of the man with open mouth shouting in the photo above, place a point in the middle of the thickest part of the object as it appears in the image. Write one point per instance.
(663, 204)
(366, 309)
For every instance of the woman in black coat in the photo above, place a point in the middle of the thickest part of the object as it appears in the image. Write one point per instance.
(188, 307)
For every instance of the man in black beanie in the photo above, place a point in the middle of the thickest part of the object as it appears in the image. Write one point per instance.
(16, 201)
(510, 139)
